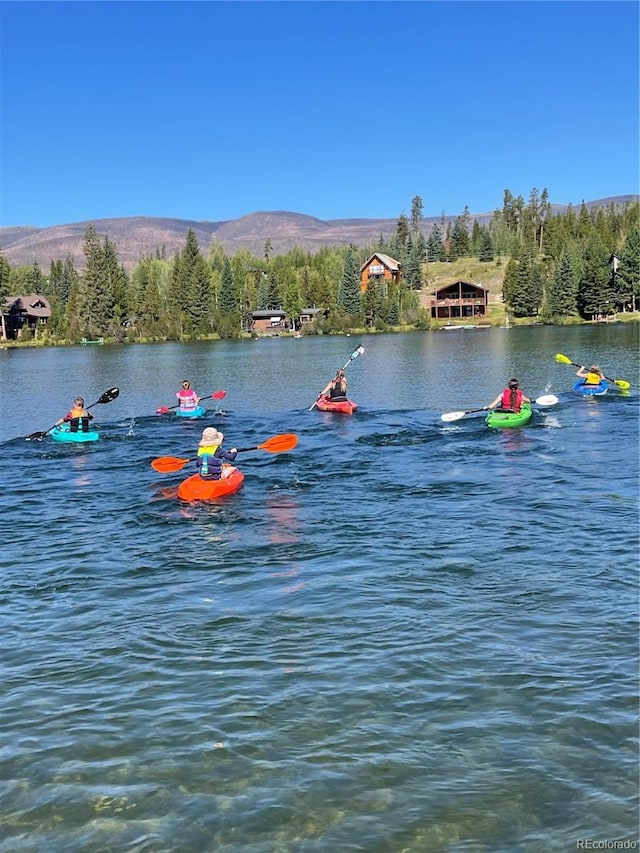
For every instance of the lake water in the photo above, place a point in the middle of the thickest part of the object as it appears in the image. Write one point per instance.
(404, 635)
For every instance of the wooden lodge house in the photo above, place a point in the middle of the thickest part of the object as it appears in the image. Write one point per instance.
(379, 267)
(460, 300)
(23, 314)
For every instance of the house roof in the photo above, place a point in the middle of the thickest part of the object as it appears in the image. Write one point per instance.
(386, 260)
(460, 281)
(266, 315)
(35, 305)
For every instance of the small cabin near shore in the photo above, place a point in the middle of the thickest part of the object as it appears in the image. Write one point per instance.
(268, 322)
(459, 300)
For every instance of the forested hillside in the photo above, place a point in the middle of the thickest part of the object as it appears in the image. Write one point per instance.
(553, 266)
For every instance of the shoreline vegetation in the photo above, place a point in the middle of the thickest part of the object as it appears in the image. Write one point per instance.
(494, 322)
(534, 267)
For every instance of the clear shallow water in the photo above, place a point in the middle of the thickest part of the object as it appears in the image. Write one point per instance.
(405, 635)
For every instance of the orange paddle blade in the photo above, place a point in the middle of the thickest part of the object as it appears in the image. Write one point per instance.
(279, 443)
(166, 464)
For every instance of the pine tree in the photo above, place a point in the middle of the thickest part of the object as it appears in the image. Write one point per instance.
(372, 301)
(562, 290)
(413, 269)
(627, 276)
(228, 297)
(349, 297)
(594, 296)
(459, 244)
(435, 249)
(196, 287)
(416, 215)
(36, 282)
(95, 299)
(119, 283)
(5, 292)
(485, 246)
(527, 288)
(393, 309)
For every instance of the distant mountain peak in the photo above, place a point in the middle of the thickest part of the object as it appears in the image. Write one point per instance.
(137, 236)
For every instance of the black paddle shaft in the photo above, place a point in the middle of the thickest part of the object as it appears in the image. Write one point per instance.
(107, 397)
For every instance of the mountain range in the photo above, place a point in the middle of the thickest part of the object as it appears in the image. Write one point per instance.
(138, 236)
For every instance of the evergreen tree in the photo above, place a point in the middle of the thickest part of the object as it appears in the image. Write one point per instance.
(435, 249)
(274, 299)
(413, 269)
(228, 300)
(561, 295)
(5, 292)
(175, 294)
(485, 246)
(196, 287)
(594, 296)
(510, 281)
(372, 301)
(526, 297)
(349, 296)
(627, 276)
(459, 243)
(95, 305)
(36, 282)
(263, 292)
(119, 283)
(393, 309)
(416, 215)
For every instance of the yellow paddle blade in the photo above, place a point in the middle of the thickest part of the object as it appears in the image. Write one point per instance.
(622, 383)
(563, 359)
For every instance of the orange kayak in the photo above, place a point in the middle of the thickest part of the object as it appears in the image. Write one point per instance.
(345, 407)
(194, 488)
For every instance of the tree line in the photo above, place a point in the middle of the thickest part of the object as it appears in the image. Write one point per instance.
(559, 267)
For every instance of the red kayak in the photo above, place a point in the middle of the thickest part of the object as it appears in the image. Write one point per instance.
(344, 406)
(194, 488)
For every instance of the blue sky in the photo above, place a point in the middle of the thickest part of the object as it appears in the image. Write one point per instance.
(215, 110)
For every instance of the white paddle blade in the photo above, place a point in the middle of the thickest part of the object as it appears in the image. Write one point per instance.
(452, 416)
(547, 400)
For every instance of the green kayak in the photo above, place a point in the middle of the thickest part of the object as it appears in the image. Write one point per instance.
(501, 419)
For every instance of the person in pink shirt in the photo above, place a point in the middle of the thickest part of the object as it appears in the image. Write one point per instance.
(187, 397)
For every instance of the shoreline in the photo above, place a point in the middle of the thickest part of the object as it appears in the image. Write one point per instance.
(356, 331)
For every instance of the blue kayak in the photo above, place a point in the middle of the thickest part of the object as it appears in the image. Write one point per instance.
(198, 412)
(63, 433)
(590, 390)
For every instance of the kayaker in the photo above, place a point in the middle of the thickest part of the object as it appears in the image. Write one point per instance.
(591, 376)
(510, 399)
(187, 397)
(77, 417)
(336, 389)
(211, 456)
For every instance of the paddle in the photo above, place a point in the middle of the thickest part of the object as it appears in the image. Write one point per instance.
(357, 352)
(621, 383)
(276, 444)
(544, 400)
(217, 395)
(107, 397)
